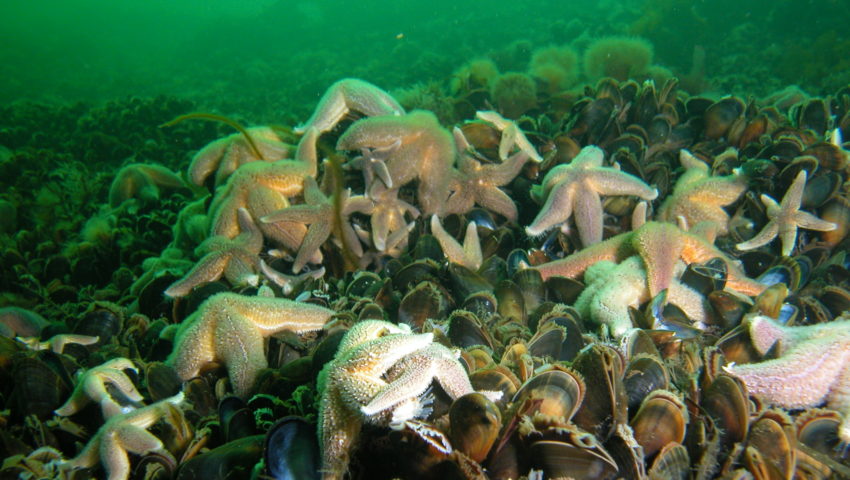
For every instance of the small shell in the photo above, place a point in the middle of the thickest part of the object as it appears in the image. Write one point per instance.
(660, 421)
(475, 423)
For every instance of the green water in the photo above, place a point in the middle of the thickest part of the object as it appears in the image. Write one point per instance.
(263, 56)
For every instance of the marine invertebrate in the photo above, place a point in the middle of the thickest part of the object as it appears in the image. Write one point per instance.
(512, 136)
(91, 387)
(660, 246)
(555, 67)
(347, 95)
(469, 254)
(416, 147)
(230, 329)
(143, 182)
(785, 217)
(813, 366)
(576, 187)
(699, 197)
(618, 57)
(225, 155)
(236, 259)
(389, 214)
(475, 74)
(514, 93)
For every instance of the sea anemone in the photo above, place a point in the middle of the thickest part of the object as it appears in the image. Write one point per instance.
(618, 57)
(478, 73)
(514, 94)
(555, 68)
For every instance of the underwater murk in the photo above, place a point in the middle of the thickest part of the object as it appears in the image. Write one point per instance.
(448, 240)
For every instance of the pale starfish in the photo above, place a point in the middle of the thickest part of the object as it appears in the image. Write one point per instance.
(512, 136)
(478, 183)
(424, 151)
(236, 259)
(263, 188)
(57, 342)
(225, 155)
(784, 218)
(230, 329)
(613, 288)
(91, 387)
(813, 366)
(319, 212)
(127, 433)
(20, 321)
(347, 95)
(142, 181)
(660, 246)
(388, 214)
(576, 187)
(699, 197)
(469, 255)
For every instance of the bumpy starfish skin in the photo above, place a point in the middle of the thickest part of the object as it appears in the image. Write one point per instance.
(91, 386)
(142, 181)
(660, 246)
(785, 218)
(813, 366)
(469, 255)
(230, 329)
(699, 197)
(478, 183)
(319, 212)
(612, 289)
(237, 259)
(347, 95)
(127, 433)
(57, 342)
(512, 136)
(425, 151)
(225, 155)
(576, 188)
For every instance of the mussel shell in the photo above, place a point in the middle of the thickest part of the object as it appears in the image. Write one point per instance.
(530, 284)
(563, 290)
(475, 423)
(706, 277)
(291, 450)
(721, 115)
(606, 405)
(571, 343)
(818, 429)
(465, 282)
(236, 419)
(672, 463)
(237, 458)
(558, 393)
(661, 420)
(465, 330)
(497, 379)
(162, 381)
(425, 300)
(104, 323)
(773, 437)
(558, 459)
(644, 374)
(41, 383)
(725, 399)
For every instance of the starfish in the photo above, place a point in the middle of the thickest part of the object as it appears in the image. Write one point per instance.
(576, 187)
(346, 95)
(784, 218)
(512, 136)
(469, 255)
(660, 246)
(20, 321)
(699, 197)
(230, 328)
(127, 433)
(143, 182)
(478, 183)
(57, 343)
(319, 212)
(263, 188)
(388, 215)
(613, 288)
(813, 366)
(91, 386)
(237, 259)
(415, 147)
(225, 155)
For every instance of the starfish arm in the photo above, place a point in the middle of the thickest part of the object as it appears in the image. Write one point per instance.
(465, 255)
(273, 315)
(208, 269)
(242, 269)
(588, 215)
(472, 247)
(57, 342)
(498, 201)
(768, 233)
(689, 300)
(296, 214)
(122, 382)
(134, 439)
(412, 382)
(317, 234)
(811, 222)
(608, 303)
(306, 152)
(608, 181)
(765, 332)
(575, 264)
(556, 210)
(75, 403)
(240, 346)
(346, 95)
(207, 160)
(381, 223)
(660, 245)
(114, 457)
(505, 172)
(800, 378)
(787, 233)
(794, 196)
(337, 433)
(194, 344)
(461, 200)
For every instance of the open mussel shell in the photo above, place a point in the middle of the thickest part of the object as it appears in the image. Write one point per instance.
(556, 392)
(819, 428)
(706, 277)
(725, 400)
(496, 378)
(572, 454)
(425, 300)
(465, 330)
(475, 423)
(661, 420)
(671, 463)
(771, 451)
(482, 304)
(605, 404)
(558, 336)
(292, 450)
(236, 419)
(162, 381)
(511, 302)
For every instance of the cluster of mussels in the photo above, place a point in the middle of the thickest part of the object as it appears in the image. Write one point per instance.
(381, 314)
